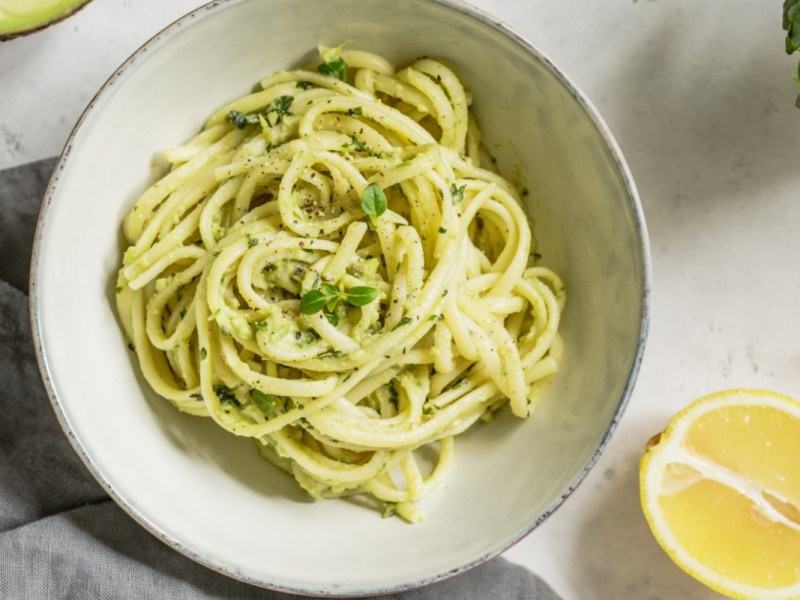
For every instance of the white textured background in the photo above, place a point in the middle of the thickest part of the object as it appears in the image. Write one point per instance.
(701, 100)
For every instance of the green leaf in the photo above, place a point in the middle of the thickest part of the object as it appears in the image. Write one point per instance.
(329, 289)
(791, 23)
(373, 200)
(362, 295)
(264, 402)
(334, 68)
(312, 302)
(332, 319)
(203, 353)
(333, 302)
(304, 85)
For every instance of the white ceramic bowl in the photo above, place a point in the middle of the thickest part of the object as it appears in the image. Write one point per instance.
(206, 493)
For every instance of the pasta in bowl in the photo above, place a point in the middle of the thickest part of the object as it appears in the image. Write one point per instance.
(454, 224)
(328, 269)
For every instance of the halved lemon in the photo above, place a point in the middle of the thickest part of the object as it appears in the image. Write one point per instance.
(720, 489)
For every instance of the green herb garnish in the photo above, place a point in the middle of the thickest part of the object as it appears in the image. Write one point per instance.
(373, 201)
(389, 509)
(225, 394)
(238, 119)
(329, 297)
(278, 109)
(334, 68)
(264, 402)
(273, 115)
(304, 85)
(457, 192)
(403, 321)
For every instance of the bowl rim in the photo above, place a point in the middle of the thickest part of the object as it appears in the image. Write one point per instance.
(38, 335)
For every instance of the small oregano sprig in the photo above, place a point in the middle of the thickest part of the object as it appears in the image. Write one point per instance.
(329, 296)
(272, 115)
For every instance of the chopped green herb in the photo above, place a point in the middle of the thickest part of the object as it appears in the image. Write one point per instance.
(261, 325)
(273, 115)
(459, 383)
(389, 509)
(203, 353)
(304, 85)
(457, 192)
(225, 394)
(332, 319)
(403, 321)
(264, 402)
(332, 354)
(278, 109)
(238, 119)
(334, 68)
(118, 289)
(427, 410)
(442, 230)
(355, 112)
(251, 241)
(305, 338)
(182, 312)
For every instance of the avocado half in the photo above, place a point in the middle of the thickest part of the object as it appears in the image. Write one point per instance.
(19, 17)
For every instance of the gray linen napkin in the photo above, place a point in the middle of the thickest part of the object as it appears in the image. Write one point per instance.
(61, 536)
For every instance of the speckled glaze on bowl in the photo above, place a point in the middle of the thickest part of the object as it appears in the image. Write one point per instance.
(206, 493)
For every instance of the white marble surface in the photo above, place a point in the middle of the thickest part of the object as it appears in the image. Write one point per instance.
(701, 100)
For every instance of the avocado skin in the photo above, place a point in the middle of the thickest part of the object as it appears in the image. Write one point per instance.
(36, 25)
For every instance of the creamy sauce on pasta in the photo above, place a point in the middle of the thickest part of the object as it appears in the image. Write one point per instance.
(328, 269)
